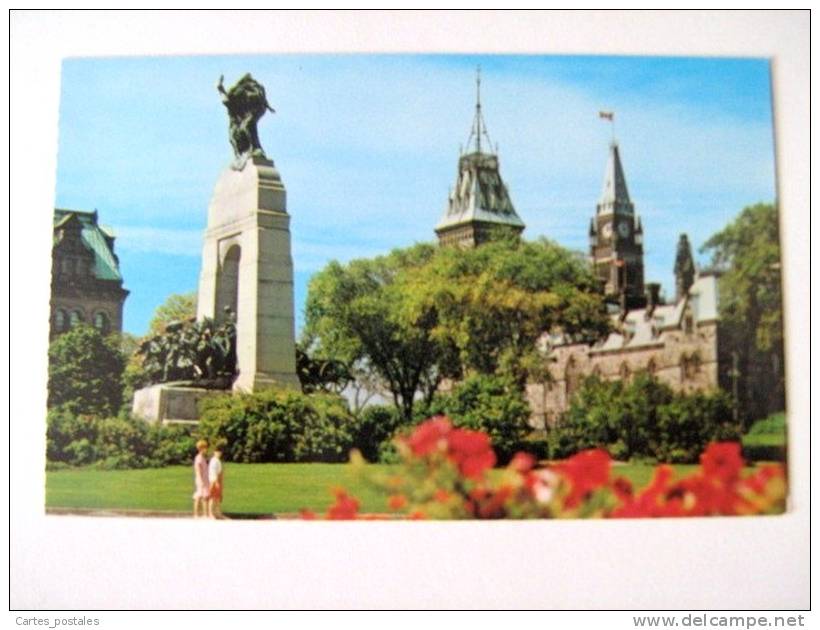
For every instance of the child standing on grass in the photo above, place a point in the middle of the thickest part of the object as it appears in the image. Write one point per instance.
(201, 485)
(215, 491)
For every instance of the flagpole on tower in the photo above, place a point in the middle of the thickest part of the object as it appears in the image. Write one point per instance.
(610, 116)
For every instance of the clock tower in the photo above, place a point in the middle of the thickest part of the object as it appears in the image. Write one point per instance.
(616, 238)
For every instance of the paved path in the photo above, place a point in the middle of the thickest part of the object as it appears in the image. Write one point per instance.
(153, 513)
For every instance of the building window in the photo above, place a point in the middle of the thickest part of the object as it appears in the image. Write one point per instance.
(75, 318)
(101, 322)
(652, 367)
(689, 366)
(624, 371)
(60, 320)
(688, 323)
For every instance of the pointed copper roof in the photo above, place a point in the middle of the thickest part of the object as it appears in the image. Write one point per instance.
(97, 238)
(614, 196)
(479, 194)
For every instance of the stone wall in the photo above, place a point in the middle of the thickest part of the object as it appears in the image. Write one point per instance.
(686, 361)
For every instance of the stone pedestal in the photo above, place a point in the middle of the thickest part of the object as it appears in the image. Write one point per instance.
(247, 267)
(169, 403)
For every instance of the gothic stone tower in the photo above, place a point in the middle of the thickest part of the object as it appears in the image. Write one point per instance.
(616, 238)
(480, 202)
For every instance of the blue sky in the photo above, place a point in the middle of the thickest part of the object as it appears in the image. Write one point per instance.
(367, 146)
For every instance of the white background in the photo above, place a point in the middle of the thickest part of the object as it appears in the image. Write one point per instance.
(86, 563)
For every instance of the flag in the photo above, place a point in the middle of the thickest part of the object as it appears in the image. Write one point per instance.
(610, 116)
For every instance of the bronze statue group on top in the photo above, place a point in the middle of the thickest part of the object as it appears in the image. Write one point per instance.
(246, 104)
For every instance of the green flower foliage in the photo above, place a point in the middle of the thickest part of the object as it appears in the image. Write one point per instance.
(85, 372)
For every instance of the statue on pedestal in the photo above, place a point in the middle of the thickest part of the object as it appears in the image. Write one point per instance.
(246, 104)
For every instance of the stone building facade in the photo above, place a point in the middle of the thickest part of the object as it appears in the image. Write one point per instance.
(86, 283)
(678, 343)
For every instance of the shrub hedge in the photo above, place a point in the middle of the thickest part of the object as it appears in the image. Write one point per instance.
(643, 419)
(78, 440)
(492, 404)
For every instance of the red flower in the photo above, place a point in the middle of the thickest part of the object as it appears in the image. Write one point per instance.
(441, 496)
(622, 488)
(650, 500)
(307, 515)
(344, 509)
(397, 501)
(428, 435)
(418, 515)
(760, 479)
(471, 451)
(494, 507)
(586, 471)
(722, 460)
(522, 462)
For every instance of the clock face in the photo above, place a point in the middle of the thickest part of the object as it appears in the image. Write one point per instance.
(623, 229)
(606, 230)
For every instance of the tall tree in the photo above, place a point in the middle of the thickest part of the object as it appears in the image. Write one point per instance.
(177, 307)
(85, 372)
(494, 302)
(425, 313)
(751, 304)
(359, 312)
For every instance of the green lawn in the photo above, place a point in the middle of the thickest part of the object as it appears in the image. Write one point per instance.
(249, 488)
(766, 439)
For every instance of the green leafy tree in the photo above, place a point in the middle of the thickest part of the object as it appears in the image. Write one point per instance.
(360, 311)
(747, 251)
(85, 372)
(176, 308)
(424, 313)
(491, 304)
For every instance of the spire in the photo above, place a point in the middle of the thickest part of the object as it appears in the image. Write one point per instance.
(614, 196)
(479, 127)
(480, 198)
(684, 268)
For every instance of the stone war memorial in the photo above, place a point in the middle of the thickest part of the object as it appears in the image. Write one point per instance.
(246, 279)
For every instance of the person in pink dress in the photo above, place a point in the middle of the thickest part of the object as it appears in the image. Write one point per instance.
(201, 479)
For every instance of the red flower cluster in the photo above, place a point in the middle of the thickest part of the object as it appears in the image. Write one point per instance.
(717, 489)
(722, 461)
(470, 451)
(444, 477)
(344, 509)
(587, 471)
